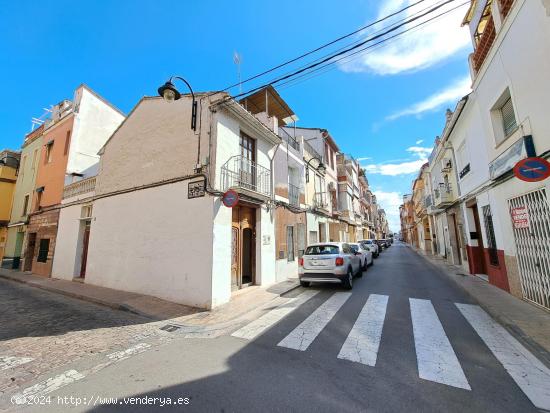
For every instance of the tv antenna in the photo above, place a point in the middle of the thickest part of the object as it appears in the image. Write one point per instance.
(237, 60)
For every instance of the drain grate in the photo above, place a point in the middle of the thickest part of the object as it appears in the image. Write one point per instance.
(170, 328)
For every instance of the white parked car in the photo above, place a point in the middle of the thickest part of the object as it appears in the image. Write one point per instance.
(332, 262)
(364, 253)
(372, 246)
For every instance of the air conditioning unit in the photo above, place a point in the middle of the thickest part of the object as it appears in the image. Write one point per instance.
(446, 164)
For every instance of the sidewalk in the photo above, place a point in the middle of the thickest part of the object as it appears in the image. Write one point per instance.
(154, 308)
(528, 322)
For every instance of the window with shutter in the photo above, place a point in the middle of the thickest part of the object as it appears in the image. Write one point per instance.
(508, 117)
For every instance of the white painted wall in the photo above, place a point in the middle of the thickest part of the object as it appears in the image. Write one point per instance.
(166, 253)
(68, 247)
(94, 122)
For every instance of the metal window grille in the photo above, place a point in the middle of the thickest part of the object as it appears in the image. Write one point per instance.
(290, 242)
(490, 231)
(508, 117)
(533, 246)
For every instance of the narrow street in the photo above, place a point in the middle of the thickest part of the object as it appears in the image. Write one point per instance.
(303, 362)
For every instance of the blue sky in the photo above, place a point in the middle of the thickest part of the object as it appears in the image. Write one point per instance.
(386, 106)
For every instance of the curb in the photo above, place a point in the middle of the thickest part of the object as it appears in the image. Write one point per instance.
(129, 308)
(509, 325)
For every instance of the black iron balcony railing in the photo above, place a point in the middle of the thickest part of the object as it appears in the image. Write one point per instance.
(239, 172)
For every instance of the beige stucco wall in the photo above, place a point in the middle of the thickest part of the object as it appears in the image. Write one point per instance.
(154, 144)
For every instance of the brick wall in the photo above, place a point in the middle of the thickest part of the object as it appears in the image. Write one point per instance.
(44, 225)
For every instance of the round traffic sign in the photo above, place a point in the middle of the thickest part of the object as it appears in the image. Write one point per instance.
(230, 198)
(532, 169)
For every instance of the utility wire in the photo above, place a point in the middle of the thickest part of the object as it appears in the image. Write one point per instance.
(365, 49)
(343, 52)
(323, 46)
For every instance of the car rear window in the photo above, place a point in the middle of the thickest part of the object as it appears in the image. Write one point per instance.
(322, 250)
(367, 242)
(354, 248)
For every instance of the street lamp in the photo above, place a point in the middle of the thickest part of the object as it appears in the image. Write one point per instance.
(321, 168)
(169, 92)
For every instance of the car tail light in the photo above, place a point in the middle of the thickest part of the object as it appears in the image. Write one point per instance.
(301, 262)
(339, 261)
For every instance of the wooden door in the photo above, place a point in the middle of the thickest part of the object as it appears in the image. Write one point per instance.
(29, 256)
(85, 241)
(243, 248)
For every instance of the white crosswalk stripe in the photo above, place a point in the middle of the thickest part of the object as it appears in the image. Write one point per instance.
(302, 336)
(363, 341)
(436, 358)
(528, 372)
(257, 327)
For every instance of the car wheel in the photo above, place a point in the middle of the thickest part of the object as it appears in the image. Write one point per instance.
(305, 283)
(363, 267)
(348, 281)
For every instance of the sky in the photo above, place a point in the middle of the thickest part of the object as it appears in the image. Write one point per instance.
(384, 107)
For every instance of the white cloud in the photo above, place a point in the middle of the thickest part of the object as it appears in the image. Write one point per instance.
(390, 201)
(418, 49)
(395, 169)
(449, 95)
(418, 142)
(420, 151)
(366, 158)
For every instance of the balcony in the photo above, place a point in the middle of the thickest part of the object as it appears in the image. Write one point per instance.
(288, 138)
(294, 195)
(484, 45)
(246, 176)
(505, 6)
(320, 200)
(79, 187)
(428, 201)
(444, 195)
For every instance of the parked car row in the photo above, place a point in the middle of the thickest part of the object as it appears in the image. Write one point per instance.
(338, 262)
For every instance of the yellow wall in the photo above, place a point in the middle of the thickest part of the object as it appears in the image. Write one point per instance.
(7, 186)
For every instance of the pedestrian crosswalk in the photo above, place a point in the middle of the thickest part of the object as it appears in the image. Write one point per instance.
(435, 355)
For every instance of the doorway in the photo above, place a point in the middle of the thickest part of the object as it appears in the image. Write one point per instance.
(31, 246)
(85, 241)
(243, 239)
(479, 255)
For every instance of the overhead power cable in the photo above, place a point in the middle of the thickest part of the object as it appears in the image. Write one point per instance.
(362, 51)
(347, 50)
(324, 45)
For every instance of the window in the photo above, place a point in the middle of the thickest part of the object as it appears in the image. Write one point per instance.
(39, 192)
(67, 142)
(48, 153)
(490, 232)
(503, 117)
(25, 205)
(43, 250)
(23, 163)
(290, 242)
(508, 117)
(322, 250)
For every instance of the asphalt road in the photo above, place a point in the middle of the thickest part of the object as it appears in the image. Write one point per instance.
(232, 374)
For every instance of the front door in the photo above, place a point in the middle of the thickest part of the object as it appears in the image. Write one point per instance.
(85, 241)
(480, 255)
(29, 256)
(18, 249)
(243, 239)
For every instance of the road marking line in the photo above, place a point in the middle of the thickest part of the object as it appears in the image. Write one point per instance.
(363, 341)
(257, 327)
(436, 358)
(528, 372)
(48, 386)
(8, 362)
(124, 354)
(302, 336)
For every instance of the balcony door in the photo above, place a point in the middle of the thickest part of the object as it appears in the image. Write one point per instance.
(248, 162)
